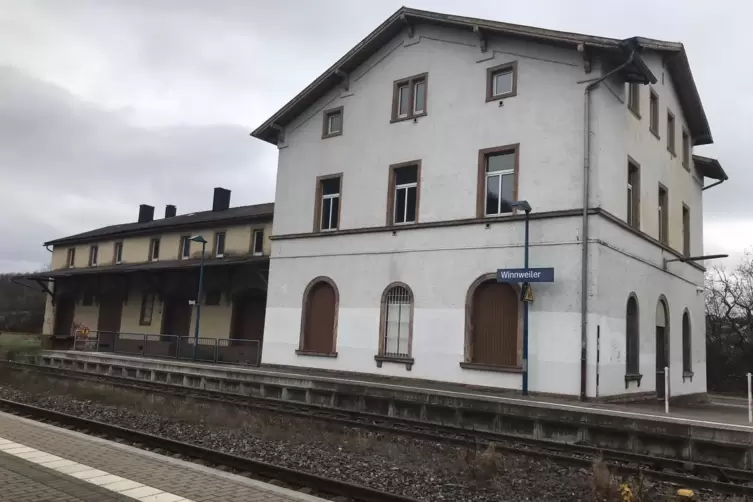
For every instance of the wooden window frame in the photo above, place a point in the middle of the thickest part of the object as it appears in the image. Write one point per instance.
(686, 147)
(70, 258)
(152, 242)
(304, 313)
(686, 243)
(144, 296)
(491, 72)
(216, 242)
(653, 113)
(467, 362)
(481, 180)
(411, 83)
(663, 228)
(254, 233)
(634, 99)
(671, 132)
(325, 122)
(181, 247)
(391, 192)
(318, 202)
(115, 259)
(93, 255)
(634, 219)
(381, 356)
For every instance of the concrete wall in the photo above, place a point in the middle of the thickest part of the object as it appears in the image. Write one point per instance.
(136, 249)
(459, 123)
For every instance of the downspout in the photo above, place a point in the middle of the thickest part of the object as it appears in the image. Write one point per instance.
(592, 84)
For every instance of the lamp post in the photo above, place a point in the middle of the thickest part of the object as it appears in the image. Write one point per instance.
(525, 206)
(203, 241)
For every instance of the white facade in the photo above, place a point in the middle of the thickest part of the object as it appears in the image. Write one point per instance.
(440, 262)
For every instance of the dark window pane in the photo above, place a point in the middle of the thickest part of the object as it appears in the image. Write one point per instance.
(492, 194)
(220, 244)
(408, 174)
(403, 100)
(155, 253)
(326, 204)
(419, 97)
(335, 212)
(508, 192)
(330, 186)
(500, 162)
(258, 241)
(400, 205)
(186, 246)
(411, 205)
(335, 122)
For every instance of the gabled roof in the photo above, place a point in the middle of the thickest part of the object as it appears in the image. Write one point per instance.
(675, 57)
(709, 168)
(257, 212)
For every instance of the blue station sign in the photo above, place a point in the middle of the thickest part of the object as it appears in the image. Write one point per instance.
(525, 274)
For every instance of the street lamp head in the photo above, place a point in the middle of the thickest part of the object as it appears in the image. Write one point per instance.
(198, 238)
(521, 204)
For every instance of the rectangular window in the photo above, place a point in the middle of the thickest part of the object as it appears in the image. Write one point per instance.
(634, 99)
(147, 308)
(634, 195)
(333, 122)
(685, 230)
(118, 253)
(219, 244)
(71, 259)
(403, 194)
(258, 243)
(502, 81)
(154, 250)
(409, 97)
(185, 247)
(685, 149)
(327, 211)
(213, 297)
(663, 215)
(93, 252)
(670, 132)
(497, 180)
(654, 113)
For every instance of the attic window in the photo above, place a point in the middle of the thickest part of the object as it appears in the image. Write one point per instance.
(502, 81)
(409, 97)
(333, 122)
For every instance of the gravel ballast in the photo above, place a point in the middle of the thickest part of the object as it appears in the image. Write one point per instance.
(420, 469)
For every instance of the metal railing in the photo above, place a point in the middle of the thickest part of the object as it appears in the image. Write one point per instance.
(214, 350)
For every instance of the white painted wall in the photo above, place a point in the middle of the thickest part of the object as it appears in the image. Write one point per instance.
(439, 264)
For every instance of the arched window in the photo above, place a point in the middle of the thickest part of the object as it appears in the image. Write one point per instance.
(492, 324)
(687, 359)
(319, 317)
(632, 336)
(662, 345)
(397, 322)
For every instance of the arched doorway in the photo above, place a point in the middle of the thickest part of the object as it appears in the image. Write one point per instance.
(662, 346)
(320, 302)
(492, 336)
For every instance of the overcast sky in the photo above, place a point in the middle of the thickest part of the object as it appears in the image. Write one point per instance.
(108, 104)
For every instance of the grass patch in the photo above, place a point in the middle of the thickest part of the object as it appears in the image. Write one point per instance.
(15, 344)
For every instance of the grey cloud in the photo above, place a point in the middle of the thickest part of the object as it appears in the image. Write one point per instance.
(68, 166)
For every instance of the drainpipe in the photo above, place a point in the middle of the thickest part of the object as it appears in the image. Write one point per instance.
(592, 84)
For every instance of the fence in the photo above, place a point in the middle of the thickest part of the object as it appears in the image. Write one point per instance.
(213, 350)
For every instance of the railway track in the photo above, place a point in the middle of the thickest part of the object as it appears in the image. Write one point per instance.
(681, 472)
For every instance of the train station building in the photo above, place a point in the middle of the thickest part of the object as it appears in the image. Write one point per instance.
(401, 175)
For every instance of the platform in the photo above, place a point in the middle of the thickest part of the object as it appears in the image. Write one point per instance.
(700, 432)
(41, 462)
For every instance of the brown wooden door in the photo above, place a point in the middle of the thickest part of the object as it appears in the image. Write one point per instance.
(176, 316)
(110, 313)
(319, 331)
(64, 310)
(248, 316)
(495, 325)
